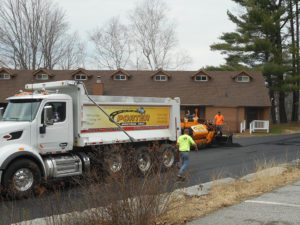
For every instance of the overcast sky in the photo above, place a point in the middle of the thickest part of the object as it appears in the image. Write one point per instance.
(199, 22)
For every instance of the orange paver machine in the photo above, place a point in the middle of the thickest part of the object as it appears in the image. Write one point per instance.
(204, 132)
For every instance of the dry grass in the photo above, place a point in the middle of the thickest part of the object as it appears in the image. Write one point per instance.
(220, 196)
(120, 199)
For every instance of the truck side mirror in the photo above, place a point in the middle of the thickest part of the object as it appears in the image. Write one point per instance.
(48, 115)
(1, 113)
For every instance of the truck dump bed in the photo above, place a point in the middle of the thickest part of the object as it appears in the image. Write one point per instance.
(144, 119)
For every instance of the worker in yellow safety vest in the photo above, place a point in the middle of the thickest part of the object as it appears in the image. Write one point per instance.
(184, 143)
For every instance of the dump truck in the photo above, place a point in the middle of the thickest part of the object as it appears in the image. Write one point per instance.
(57, 130)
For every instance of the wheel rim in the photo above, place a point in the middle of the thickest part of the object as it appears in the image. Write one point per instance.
(23, 179)
(144, 162)
(115, 163)
(168, 158)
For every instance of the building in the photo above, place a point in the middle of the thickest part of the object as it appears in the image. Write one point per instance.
(238, 95)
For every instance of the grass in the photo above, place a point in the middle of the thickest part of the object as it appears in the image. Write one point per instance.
(275, 129)
(285, 128)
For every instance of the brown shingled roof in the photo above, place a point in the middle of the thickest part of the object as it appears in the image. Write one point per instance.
(221, 90)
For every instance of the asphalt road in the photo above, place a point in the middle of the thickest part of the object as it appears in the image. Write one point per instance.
(211, 163)
(242, 158)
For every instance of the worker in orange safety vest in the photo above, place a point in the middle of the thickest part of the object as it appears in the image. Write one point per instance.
(219, 118)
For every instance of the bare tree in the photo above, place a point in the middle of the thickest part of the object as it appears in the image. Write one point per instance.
(181, 60)
(54, 41)
(19, 34)
(137, 60)
(32, 34)
(153, 33)
(112, 44)
(74, 54)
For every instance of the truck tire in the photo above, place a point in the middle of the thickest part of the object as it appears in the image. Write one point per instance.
(144, 160)
(22, 179)
(168, 156)
(113, 162)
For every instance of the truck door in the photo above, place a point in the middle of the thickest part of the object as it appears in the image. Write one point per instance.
(57, 136)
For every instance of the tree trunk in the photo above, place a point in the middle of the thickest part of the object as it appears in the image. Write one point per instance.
(282, 112)
(297, 56)
(294, 116)
(273, 112)
(278, 59)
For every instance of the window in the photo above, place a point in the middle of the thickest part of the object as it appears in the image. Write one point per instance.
(42, 76)
(120, 77)
(201, 78)
(59, 111)
(80, 77)
(21, 110)
(4, 76)
(242, 79)
(160, 77)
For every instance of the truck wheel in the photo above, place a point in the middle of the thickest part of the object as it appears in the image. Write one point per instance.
(113, 162)
(168, 156)
(22, 179)
(144, 160)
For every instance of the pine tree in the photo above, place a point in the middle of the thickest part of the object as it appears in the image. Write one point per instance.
(294, 20)
(259, 42)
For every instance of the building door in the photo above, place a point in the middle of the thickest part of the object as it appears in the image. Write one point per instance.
(251, 114)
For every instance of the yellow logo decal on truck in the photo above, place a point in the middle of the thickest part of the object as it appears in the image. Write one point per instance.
(129, 117)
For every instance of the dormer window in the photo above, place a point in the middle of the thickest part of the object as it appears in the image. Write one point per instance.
(80, 76)
(120, 74)
(42, 76)
(161, 75)
(201, 78)
(4, 76)
(160, 78)
(242, 78)
(120, 77)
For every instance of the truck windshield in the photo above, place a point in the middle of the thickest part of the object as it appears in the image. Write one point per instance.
(21, 110)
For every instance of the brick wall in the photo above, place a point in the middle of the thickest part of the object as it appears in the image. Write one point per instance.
(233, 116)
(264, 114)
